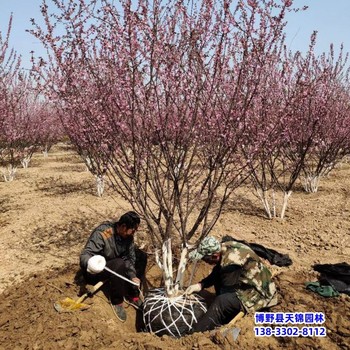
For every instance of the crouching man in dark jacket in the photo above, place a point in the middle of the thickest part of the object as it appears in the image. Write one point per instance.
(113, 242)
(242, 282)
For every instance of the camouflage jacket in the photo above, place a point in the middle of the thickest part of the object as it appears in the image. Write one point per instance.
(104, 241)
(249, 278)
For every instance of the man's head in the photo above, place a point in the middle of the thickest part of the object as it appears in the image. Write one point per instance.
(209, 249)
(128, 224)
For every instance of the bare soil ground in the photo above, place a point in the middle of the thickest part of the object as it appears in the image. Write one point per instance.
(47, 213)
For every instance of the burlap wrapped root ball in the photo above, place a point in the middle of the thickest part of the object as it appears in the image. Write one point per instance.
(171, 316)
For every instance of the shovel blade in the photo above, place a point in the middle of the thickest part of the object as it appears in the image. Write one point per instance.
(234, 332)
(69, 305)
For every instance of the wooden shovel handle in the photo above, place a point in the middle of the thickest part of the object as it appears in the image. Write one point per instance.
(97, 286)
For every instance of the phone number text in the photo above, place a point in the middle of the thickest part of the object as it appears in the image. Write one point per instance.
(290, 332)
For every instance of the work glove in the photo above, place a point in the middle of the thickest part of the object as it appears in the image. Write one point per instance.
(194, 288)
(96, 264)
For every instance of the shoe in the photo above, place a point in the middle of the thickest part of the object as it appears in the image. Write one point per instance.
(135, 302)
(119, 311)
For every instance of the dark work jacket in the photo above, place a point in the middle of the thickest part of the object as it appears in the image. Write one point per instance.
(105, 241)
(336, 275)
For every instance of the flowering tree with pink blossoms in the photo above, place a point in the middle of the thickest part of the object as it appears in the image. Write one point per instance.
(159, 94)
(17, 108)
(24, 118)
(9, 67)
(49, 130)
(317, 131)
(331, 142)
(302, 116)
(19, 137)
(287, 126)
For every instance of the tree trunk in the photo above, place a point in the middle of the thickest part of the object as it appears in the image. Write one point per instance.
(285, 202)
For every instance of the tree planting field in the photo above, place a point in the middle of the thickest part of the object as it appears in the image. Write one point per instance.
(49, 210)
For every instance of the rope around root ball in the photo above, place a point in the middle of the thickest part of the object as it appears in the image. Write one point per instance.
(173, 316)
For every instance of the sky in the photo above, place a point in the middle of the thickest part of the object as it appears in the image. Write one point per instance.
(329, 17)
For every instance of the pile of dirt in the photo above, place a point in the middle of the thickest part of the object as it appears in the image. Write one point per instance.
(48, 212)
(28, 319)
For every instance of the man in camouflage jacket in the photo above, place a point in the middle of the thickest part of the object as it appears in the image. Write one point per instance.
(242, 282)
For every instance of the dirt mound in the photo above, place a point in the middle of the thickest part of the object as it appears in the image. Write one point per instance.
(29, 321)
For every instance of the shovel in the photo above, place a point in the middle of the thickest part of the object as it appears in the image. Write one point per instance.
(229, 327)
(70, 305)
